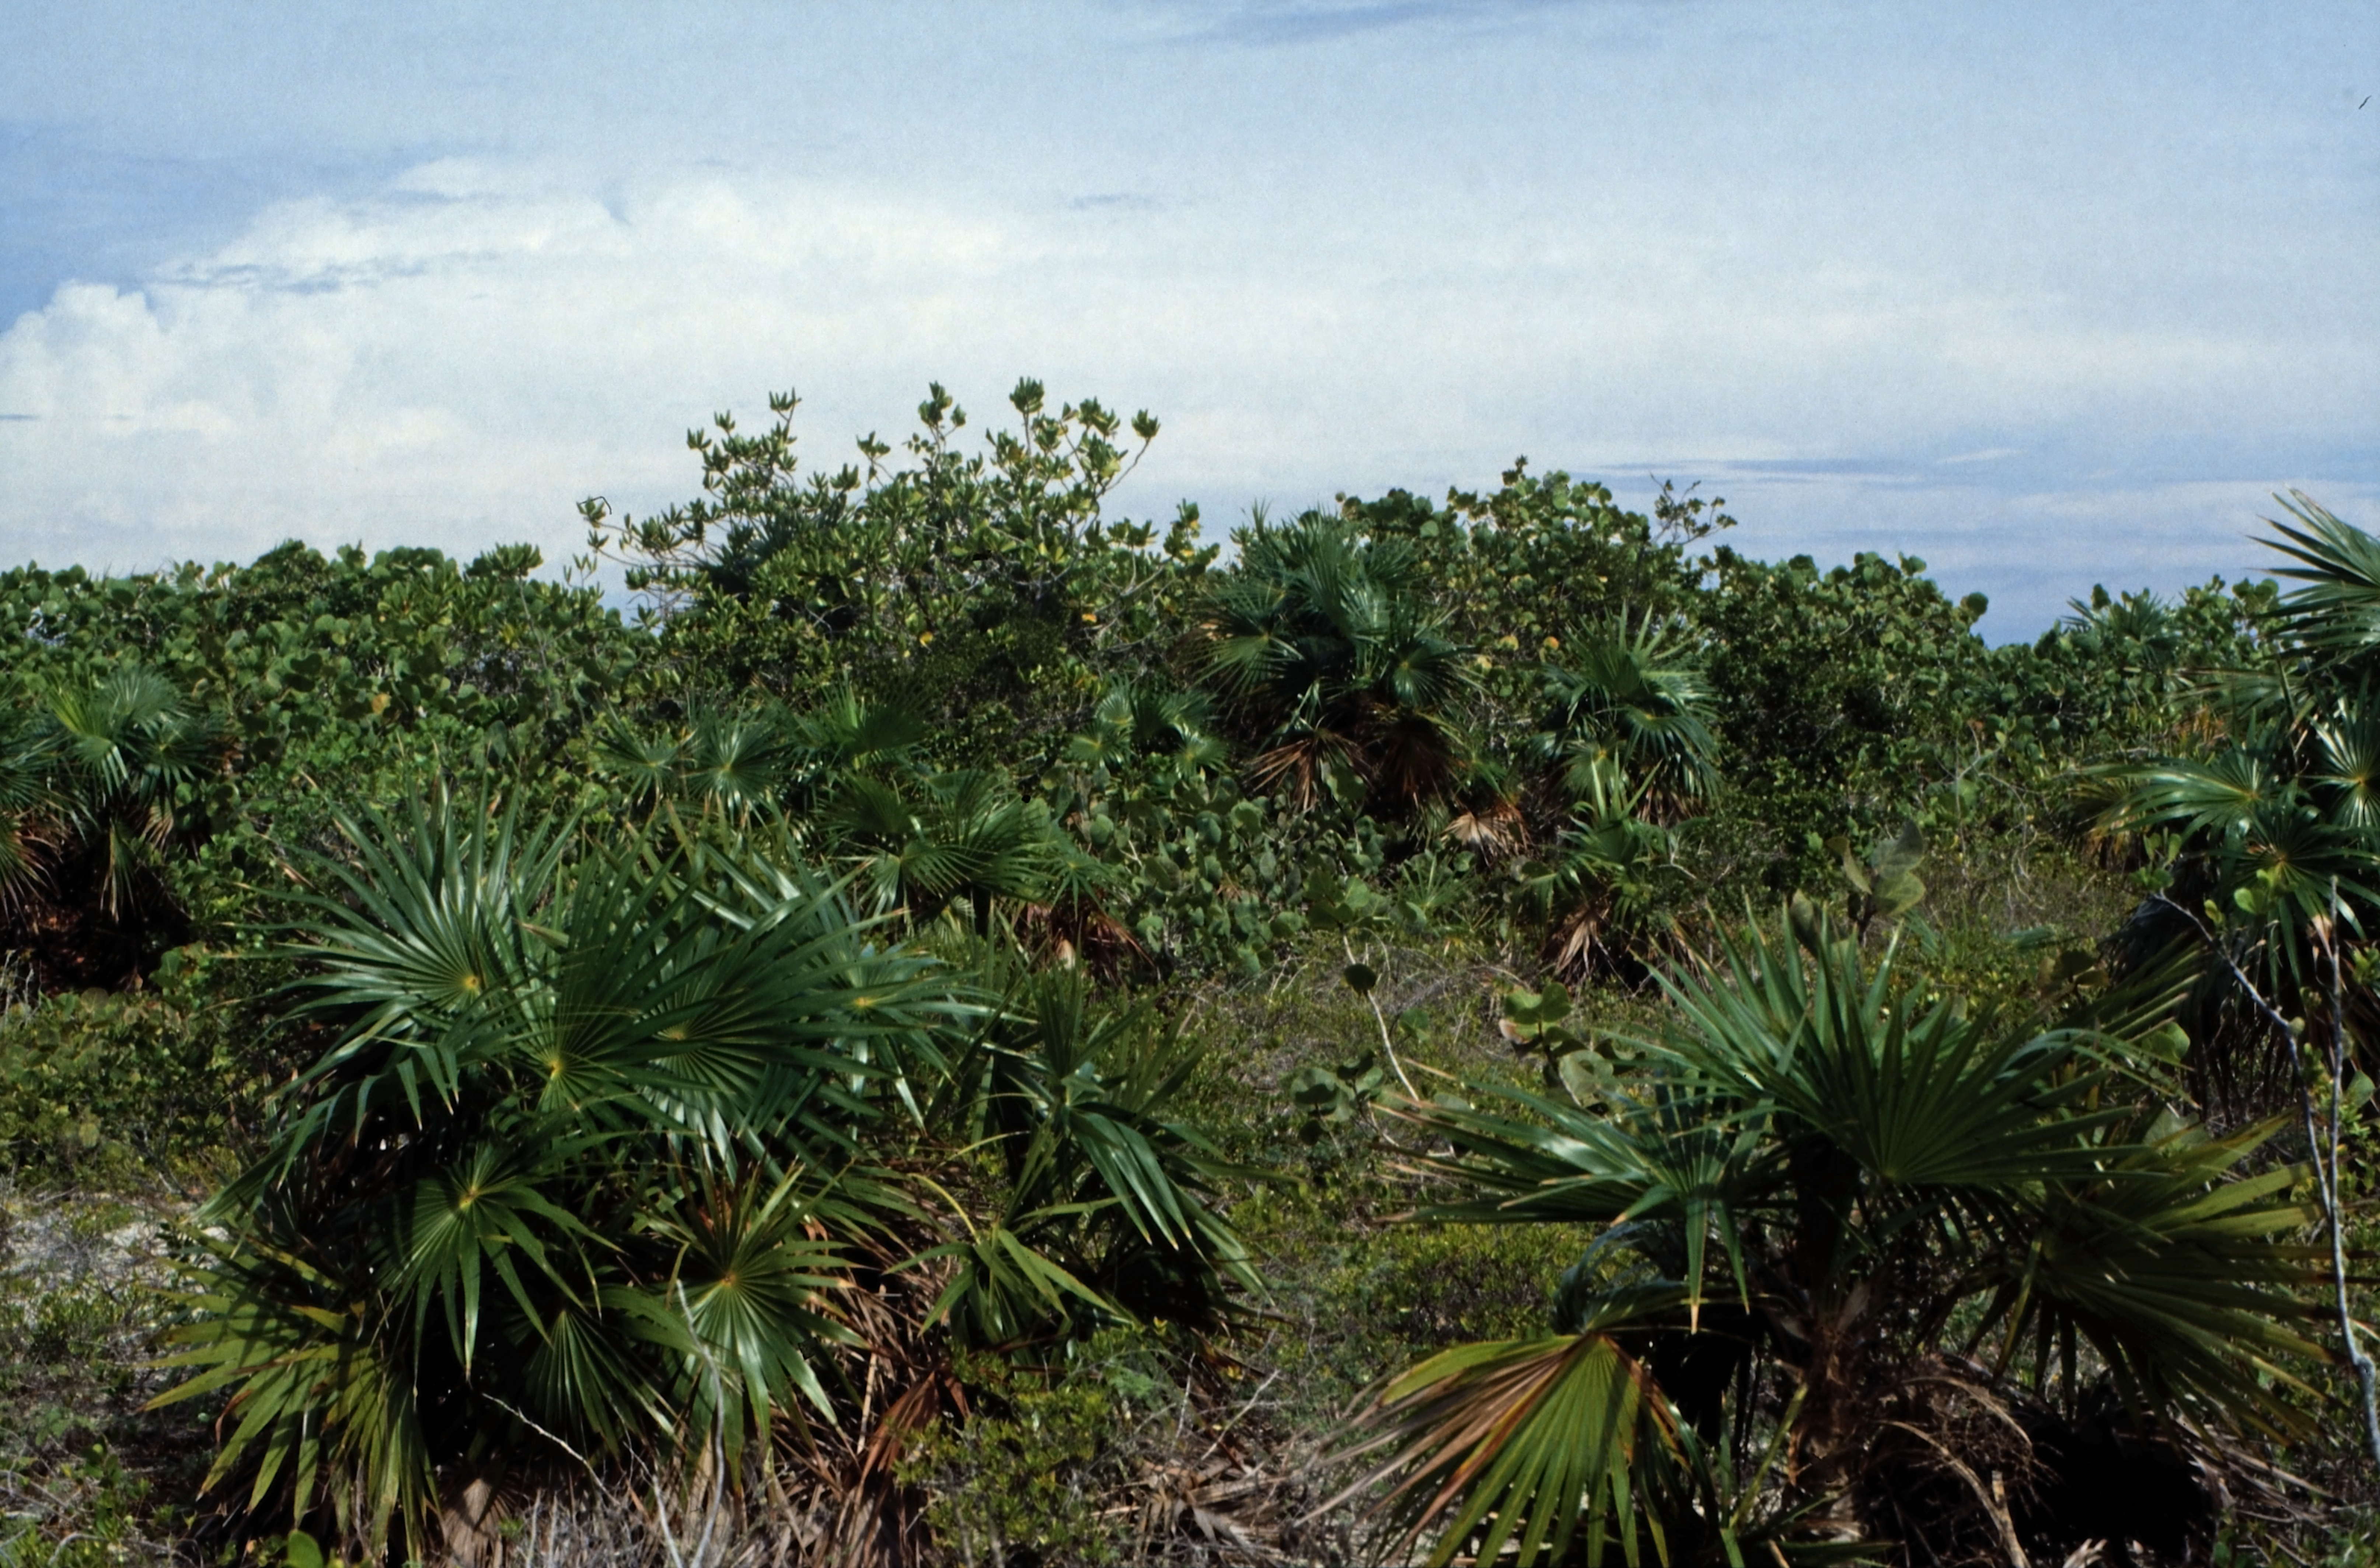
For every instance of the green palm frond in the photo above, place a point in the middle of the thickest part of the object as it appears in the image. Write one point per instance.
(740, 766)
(2219, 796)
(1678, 1153)
(1143, 718)
(129, 734)
(30, 806)
(752, 1285)
(2350, 764)
(844, 732)
(320, 1398)
(2298, 859)
(434, 960)
(647, 762)
(1005, 1291)
(1516, 1444)
(961, 835)
(736, 764)
(486, 1215)
(1106, 1208)
(1635, 694)
(2187, 1277)
(1918, 1094)
(670, 1014)
(441, 914)
(2337, 611)
(1821, 1122)
(102, 762)
(1605, 853)
(589, 1368)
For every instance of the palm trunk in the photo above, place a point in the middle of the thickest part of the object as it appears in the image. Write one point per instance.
(1831, 1434)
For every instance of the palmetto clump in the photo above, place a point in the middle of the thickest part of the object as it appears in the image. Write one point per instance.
(606, 1144)
(98, 779)
(1817, 1188)
(1332, 653)
(574, 1165)
(1634, 697)
(96, 765)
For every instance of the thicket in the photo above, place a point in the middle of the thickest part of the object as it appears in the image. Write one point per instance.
(966, 1027)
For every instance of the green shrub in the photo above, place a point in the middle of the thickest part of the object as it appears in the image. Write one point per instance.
(1022, 1480)
(1429, 1284)
(89, 1513)
(105, 1090)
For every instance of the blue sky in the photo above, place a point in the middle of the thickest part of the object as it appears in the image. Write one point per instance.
(2047, 294)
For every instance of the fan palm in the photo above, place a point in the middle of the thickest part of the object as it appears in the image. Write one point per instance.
(571, 1172)
(1799, 1188)
(1105, 1210)
(1632, 695)
(740, 763)
(963, 837)
(843, 734)
(29, 799)
(2336, 613)
(2275, 826)
(2275, 837)
(2302, 732)
(98, 765)
(732, 765)
(1136, 721)
(1604, 872)
(1327, 645)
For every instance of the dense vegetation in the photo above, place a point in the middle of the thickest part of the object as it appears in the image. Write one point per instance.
(964, 1027)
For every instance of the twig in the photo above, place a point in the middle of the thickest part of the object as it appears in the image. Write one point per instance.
(2326, 1161)
(2367, 1379)
(554, 1438)
(1370, 995)
(1238, 1416)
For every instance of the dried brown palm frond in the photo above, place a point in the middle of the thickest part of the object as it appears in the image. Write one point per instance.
(1493, 831)
(842, 1481)
(1967, 1467)
(1225, 1507)
(1412, 755)
(1085, 933)
(1295, 768)
(1948, 1458)
(1213, 1480)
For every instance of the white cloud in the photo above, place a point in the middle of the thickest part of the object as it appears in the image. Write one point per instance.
(456, 360)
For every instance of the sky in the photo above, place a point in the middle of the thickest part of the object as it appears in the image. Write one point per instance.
(2045, 296)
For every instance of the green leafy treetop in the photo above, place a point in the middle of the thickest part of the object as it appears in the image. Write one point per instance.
(987, 588)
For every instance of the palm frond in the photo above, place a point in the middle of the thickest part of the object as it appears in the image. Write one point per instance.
(1514, 1444)
(319, 1393)
(1918, 1094)
(2337, 611)
(2184, 1275)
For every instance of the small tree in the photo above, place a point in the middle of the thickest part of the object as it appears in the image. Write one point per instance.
(987, 587)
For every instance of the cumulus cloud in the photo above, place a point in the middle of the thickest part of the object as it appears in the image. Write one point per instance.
(458, 359)
(455, 361)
